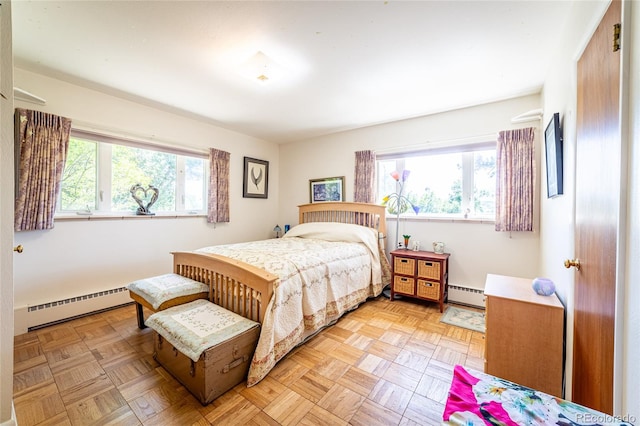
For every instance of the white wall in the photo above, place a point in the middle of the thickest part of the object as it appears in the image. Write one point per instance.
(81, 257)
(476, 249)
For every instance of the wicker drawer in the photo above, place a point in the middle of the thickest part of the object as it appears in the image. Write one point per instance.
(404, 285)
(428, 289)
(404, 265)
(429, 269)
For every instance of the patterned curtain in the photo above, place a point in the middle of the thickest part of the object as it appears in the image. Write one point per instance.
(515, 164)
(364, 177)
(218, 205)
(42, 141)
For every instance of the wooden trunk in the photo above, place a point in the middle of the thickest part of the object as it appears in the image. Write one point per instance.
(220, 368)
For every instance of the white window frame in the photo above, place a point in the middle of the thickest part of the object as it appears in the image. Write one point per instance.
(468, 171)
(103, 175)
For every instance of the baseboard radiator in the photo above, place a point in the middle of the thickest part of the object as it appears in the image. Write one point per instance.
(463, 295)
(35, 317)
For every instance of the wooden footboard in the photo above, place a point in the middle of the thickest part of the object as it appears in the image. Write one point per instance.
(234, 285)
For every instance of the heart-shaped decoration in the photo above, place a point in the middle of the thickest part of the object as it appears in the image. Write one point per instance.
(144, 197)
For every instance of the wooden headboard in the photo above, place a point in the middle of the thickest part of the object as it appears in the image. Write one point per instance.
(369, 215)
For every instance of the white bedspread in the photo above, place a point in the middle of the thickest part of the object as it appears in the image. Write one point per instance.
(324, 270)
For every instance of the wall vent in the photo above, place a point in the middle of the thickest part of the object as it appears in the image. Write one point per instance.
(50, 313)
(463, 295)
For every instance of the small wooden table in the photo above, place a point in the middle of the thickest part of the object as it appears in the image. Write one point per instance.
(420, 274)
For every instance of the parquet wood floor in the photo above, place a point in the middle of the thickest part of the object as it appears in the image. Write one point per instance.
(386, 363)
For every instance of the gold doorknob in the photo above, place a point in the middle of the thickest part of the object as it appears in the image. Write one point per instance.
(572, 262)
(18, 248)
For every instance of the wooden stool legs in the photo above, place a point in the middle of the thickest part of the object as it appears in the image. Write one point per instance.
(140, 316)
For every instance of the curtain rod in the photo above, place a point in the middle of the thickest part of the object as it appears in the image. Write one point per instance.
(491, 137)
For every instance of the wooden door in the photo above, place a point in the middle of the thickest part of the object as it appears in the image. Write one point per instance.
(597, 209)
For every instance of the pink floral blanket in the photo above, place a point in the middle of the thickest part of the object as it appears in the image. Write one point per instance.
(477, 398)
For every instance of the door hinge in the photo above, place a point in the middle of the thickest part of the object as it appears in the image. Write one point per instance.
(616, 37)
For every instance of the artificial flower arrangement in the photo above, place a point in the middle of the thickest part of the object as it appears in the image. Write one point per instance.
(400, 203)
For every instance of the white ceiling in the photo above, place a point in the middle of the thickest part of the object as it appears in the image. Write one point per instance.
(345, 65)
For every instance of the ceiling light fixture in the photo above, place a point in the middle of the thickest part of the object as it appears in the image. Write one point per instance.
(260, 68)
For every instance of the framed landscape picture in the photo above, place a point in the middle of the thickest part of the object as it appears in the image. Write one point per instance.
(256, 178)
(326, 189)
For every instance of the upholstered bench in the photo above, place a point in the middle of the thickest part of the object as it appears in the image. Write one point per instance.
(164, 291)
(204, 346)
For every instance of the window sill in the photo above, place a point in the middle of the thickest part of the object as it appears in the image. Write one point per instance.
(444, 219)
(122, 216)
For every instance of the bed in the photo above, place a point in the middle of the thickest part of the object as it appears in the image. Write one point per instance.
(296, 285)
(477, 398)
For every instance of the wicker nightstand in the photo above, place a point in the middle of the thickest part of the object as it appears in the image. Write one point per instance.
(420, 274)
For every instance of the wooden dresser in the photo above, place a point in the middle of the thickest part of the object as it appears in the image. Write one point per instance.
(420, 274)
(524, 338)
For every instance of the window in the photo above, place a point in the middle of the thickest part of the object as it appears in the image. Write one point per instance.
(444, 182)
(100, 172)
(79, 185)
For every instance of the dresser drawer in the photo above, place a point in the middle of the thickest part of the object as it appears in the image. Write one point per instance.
(404, 265)
(429, 269)
(404, 285)
(428, 289)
